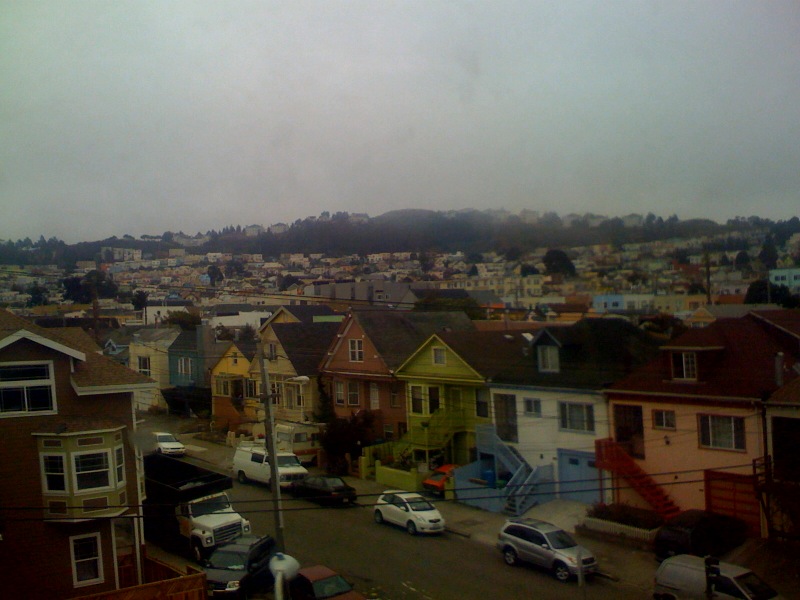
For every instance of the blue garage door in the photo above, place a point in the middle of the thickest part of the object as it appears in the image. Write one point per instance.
(578, 477)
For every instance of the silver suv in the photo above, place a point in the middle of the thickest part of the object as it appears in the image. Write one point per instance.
(544, 545)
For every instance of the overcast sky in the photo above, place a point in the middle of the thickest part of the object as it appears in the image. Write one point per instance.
(139, 117)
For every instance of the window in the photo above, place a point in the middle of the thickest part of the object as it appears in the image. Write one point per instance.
(394, 397)
(119, 464)
(576, 417)
(185, 365)
(416, 399)
(439, 356)
(548, 359)
(87, 564)
(53, 477)
(724, 433)
(388, 432)
(684, 365)
(533, 407)
(299, 399)
(144, 365)
(223, 387)
(92, 470)
(433, 400)
(26, 388)
(356, 350)
(272, 352)
(338, 392)
(250, 388)
(664, 419)
(482, 403)
(352, 393)
(374, 396)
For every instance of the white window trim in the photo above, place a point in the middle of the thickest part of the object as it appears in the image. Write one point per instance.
(358, 394)
(50, 381)
(585, 406)
(548, 359)
(74, 464)
(537, 414)
(144, 371)
(99, 558)
(185, 364)
(662, 427)
(711, 445)
(338, 393)
(684, 356)
(356, 350)
(64, 464)
(119, 466)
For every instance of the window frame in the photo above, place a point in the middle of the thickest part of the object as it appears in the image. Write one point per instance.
(185, 365)
(483, 403)
(76, 456)
(417, 404)
(62, 456)
(565, 418)
(26, 384)
(353, 393)
(687, 370)
(536, 402)
(439, 356)
(97, 558)
(548, 360)
(709, 431)
(144, 365)
(356, 350)
(663, 425)
(338, 393)
(119, 465)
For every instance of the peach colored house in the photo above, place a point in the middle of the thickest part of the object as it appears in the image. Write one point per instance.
(687, 428)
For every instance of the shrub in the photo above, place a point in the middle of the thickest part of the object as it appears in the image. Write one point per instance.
(627, 515)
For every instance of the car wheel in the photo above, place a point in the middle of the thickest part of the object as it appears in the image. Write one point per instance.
(241, 477)
(561, 571)
(510, 556)
(411, 528)
(378, 517)
(197, 552)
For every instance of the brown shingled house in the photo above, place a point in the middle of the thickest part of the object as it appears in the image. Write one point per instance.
(69, 483)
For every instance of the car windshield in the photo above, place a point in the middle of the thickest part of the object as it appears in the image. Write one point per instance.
(560, 539)
(419, 504)
(331, 586)
(166, 437)
(288, 461)
(210, 505)
(333, 482)
(228, 560)
(755, 587)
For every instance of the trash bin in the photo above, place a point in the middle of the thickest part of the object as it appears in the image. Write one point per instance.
(489, 477)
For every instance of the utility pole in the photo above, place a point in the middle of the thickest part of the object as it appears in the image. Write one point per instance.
(272, 454)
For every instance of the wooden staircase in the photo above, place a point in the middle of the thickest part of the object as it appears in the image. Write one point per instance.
(610, 456)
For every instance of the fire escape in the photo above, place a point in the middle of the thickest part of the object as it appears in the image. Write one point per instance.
(611, 456)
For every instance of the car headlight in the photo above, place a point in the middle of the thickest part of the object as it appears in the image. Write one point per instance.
(232, 585)
(209, 541)
(246, 526)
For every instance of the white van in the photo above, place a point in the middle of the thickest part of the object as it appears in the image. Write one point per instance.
(301, 439)
(684, 577)
(251, 463)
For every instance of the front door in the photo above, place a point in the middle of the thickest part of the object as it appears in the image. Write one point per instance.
(629, 429)
(505, 417)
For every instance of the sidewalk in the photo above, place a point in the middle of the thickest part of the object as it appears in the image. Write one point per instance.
(629, 566)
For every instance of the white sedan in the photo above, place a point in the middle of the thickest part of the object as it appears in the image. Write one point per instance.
(166, 443)
(409, 510)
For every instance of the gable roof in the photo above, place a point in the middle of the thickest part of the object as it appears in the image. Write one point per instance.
(93, 373)
(737, 362)
(397, 334)
(305, 344)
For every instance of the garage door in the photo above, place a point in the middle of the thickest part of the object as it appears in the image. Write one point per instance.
(578, 477)
(734, 495)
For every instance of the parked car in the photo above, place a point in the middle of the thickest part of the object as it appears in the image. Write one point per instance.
(545, 545)
(251, 462)
(324, 488)
(316, 583)
(436, 481)
(684, 576)
(241, 567)
(700, 533)
(166, 443)
(409, 510)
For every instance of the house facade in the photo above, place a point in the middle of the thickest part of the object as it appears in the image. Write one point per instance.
(687, 428)
(149, 355)
(66, 420)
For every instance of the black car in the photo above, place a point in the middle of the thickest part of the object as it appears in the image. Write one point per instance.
(324, 488)
(700, 533)
(240, 567)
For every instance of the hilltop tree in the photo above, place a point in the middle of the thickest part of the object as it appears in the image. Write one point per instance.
(557, 261)
(139, 299)
(186, 321)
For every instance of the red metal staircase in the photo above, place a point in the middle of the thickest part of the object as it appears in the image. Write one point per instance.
(610, 456)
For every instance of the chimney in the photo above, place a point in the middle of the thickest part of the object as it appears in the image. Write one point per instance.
(779, 369)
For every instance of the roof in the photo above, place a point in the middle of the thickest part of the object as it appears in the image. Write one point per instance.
(593, 353)
(787, 320)
(737, 361)
(93, 373)
(317, 572)
(305, 344)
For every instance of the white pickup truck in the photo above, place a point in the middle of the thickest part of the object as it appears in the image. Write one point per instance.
(251, 463)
